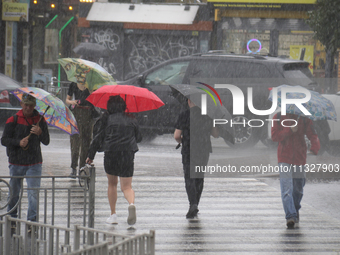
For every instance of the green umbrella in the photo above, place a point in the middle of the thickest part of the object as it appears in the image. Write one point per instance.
(85, 72)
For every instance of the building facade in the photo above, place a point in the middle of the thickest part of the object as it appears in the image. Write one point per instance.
(141, 35)
(270, 27)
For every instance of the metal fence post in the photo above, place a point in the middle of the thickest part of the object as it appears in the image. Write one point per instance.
(76, 238)
(90, 237)
(152, 241)
(7, 241)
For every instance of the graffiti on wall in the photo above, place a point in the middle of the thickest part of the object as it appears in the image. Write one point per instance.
(111, 41)
(131, 54)
(108, 38)
(146, 51)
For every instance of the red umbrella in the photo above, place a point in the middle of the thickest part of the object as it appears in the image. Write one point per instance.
(137, 99)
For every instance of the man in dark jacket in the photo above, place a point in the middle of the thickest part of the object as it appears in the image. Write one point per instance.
(292, 154)
(193, 130)
(22, 136)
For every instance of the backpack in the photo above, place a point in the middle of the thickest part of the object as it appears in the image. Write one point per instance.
(15, 117)
(99, 125)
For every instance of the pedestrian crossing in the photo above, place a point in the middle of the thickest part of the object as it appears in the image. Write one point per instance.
(236, 216)
(243, 216)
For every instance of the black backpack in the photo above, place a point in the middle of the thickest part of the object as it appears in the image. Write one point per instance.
(99, 125)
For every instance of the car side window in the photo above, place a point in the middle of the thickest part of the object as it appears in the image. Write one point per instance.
(252, 70)
(211, 69)
(168, 75)
(229, 69)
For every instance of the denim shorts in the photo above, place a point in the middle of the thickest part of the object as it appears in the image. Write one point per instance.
(119, 163)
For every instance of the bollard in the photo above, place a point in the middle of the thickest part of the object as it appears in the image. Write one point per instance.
(90, 237)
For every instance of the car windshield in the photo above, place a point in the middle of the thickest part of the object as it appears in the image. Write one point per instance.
(167, 75)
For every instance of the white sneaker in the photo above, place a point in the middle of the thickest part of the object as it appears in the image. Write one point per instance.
(113, 219)
(132, 215)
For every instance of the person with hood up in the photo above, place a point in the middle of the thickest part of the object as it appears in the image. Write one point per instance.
(290, 133)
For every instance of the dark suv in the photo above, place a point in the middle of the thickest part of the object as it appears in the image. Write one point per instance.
(258, 72)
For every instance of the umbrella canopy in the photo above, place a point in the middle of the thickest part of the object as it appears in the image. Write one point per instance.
(320, 107)
(94, 50)
(85, 72)
(137, 99)
(57, 114)
(215, 109)
(8, 83)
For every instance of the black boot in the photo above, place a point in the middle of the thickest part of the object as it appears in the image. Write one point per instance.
(192, 213)
(73, 173)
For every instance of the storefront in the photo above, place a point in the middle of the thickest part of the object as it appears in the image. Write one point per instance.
(14, 35)
(270, 27)
(140, 36)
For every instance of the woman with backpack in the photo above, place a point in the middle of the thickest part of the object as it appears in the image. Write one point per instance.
(117, 137)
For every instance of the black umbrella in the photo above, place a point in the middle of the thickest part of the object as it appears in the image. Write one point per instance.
(94, 50)
(214, 109)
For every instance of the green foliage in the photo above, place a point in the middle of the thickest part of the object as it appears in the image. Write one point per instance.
(325, 21)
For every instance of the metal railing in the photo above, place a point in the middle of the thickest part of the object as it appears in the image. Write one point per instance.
(45, 237)
(49, 239)
(51, 197)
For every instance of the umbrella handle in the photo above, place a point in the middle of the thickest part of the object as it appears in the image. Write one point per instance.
(25, 148)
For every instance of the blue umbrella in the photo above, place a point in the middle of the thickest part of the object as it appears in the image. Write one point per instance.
(320, 107)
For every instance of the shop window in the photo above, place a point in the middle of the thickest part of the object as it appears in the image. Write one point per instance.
(246, 41)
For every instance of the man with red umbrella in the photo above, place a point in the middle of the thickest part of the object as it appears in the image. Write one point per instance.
(22, 136)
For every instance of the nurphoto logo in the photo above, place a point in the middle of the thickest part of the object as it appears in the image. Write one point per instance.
(239, 102)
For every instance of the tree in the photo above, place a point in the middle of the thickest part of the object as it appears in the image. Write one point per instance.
(325, 21)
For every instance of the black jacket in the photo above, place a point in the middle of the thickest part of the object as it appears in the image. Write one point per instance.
(16, 130)
(119, 133)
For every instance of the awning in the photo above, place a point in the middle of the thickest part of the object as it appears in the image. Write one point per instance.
(143, 13)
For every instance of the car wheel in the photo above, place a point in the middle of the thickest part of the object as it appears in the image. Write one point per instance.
(245, 136)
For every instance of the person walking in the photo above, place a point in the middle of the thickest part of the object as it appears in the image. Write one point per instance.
(22, 136)
(118, 138)
(82, 111)
(292, 154)
(193, 131)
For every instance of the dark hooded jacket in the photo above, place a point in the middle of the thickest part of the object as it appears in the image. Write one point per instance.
(16, 129)
(119, 132)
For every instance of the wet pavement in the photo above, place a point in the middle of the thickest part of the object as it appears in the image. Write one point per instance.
(237, 215)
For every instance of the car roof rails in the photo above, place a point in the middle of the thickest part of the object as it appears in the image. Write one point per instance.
(197, 54)
(258, 56)
(216, 51)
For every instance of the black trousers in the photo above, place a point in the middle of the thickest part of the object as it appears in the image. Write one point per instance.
(193, 186)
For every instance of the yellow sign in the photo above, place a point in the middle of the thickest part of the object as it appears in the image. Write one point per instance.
(15, 11)
(266, 1)
(8, 70)
(303, 52)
